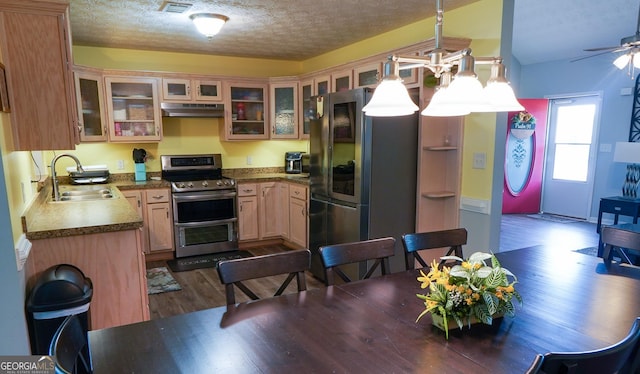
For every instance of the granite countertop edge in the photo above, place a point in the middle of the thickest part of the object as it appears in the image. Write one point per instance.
(41, 219)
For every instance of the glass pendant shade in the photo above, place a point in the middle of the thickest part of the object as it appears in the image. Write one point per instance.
(500, 98)
(390, 99)
(438, 106)
(635, 57)
(208, 24)
(622, 61)
(464, 91)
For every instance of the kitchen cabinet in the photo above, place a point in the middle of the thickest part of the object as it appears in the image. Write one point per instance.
(342, 80)
(91, 106)
(191, 90)
(154, 206)
(298, 219)
(284, 110)
(115, 264)
(283, 196)
(367, 75)
(322, 84)
(35, 46)
(269, 210)
(159, 220)
(133, 109)
(248, 211)
(439, 172)
(245, 103)
(305, 112)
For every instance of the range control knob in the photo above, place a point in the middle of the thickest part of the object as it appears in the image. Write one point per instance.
(190, 184)
(219, 182)
(205, 184)
(180, 185)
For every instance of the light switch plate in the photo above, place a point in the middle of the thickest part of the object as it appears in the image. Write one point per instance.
(479, 160)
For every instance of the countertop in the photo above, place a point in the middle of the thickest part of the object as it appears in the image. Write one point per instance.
(44, 219)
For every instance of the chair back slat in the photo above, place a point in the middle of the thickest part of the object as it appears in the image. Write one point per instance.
(378, 250)
(618, 358)
(453, 239)
(234, 272)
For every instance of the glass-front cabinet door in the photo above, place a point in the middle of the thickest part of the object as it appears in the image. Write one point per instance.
(284, 104)
(190, 90)
(245, 106)
(306, 113)
(367, 75)
(342, 80)
(90, 103)
(134, 109)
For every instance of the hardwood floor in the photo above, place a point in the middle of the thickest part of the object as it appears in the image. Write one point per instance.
(201, 288)
(521, 231)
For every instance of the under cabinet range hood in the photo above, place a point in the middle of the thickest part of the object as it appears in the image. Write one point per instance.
(192, 110)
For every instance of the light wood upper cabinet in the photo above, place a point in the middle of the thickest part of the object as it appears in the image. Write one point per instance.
(322, 84)
(35, 45)
(91, 106)
(284, 110)
(245, 105)
(133, 109)
(342, 80)
(306, 91)
(367, 75)
(191, 90)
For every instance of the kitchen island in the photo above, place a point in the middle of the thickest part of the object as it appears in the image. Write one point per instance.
(101, 238)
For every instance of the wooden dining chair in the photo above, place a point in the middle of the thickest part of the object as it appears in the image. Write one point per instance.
(234, 272)
(453, 239)
(617, 239)
(70, 347)
(621, 358)
(377, 250)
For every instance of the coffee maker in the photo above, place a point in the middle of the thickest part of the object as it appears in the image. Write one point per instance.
(296, 162)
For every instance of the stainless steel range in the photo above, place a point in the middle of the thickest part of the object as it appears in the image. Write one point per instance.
(204, 204)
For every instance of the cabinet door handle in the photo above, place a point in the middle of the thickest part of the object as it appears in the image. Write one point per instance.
(157, 197)
(139, 203)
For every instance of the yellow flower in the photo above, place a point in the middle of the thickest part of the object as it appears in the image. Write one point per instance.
(465, 265)
(424, 280)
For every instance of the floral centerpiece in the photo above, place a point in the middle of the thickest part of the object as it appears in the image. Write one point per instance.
(469, 291)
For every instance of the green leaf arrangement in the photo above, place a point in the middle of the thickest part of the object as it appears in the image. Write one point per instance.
(470, 289)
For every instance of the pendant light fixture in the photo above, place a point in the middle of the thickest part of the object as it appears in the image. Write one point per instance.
(456, 95)
(209, 24)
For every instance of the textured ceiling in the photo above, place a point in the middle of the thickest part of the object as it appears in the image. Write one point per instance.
(549, 30)
(278, 29)
(544, 30)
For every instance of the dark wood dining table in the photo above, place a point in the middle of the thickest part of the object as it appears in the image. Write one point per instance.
(571, 303)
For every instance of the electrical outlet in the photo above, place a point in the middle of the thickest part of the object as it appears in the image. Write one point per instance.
(249, 160)
(120, 164)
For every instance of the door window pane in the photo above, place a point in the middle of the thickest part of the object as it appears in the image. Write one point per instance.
(571, 162)
(575, 124)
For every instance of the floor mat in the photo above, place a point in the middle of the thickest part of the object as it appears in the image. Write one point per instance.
(554, 218)
(159, 280)
(204, 261)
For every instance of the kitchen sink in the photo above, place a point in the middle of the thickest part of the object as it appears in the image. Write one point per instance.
(85, 193)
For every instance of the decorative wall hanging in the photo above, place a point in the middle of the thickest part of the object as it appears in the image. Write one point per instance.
(634, 131)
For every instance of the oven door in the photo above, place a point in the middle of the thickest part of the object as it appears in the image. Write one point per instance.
(204, 222)
(198, 238)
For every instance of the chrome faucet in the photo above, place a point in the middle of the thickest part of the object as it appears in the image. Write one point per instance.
(54, 178)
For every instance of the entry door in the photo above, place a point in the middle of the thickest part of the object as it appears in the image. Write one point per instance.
(571, 156)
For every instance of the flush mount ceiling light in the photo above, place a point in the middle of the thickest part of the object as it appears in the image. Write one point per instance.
(209, 24)
(456, 95)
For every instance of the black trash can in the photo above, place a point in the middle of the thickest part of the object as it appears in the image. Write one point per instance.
(60, 291)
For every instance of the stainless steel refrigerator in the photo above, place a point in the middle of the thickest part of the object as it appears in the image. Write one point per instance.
(362, 176)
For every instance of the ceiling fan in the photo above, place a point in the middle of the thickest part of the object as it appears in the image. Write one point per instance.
(630, 44)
